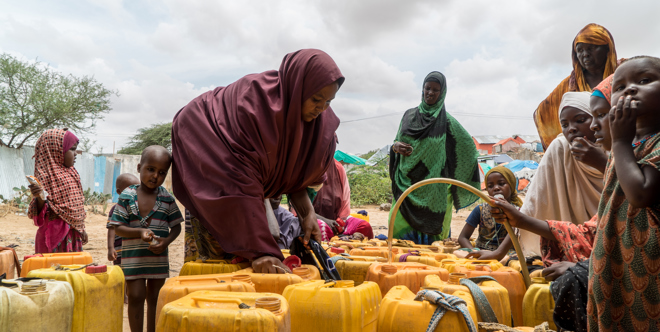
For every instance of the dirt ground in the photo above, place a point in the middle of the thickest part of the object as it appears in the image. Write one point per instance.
(18, 229)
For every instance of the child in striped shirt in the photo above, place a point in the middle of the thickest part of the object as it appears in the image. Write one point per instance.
(148, 219)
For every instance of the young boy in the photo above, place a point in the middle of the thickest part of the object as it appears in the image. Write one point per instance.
(114, 241)
(148, 220)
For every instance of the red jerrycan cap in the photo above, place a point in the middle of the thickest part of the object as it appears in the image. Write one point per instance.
(292, 261)
(30, 256)
(336, 250)
(96, 269)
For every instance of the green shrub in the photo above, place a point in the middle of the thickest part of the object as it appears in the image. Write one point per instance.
(370, 185)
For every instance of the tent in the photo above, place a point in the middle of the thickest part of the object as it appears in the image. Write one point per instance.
(349, 158)
(518, 165)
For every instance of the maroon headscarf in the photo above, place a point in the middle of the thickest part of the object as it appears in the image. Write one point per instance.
(236, 145)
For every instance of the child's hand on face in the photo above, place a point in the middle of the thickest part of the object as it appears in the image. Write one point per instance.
(158, 248)
(586, 151)
(623, 120)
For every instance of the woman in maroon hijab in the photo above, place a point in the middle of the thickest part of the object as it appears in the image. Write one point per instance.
(262, 136)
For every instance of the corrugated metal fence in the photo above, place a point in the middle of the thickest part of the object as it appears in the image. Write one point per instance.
(97, 173)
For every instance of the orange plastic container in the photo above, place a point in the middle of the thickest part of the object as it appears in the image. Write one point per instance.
(400, 312)
(226, 311)
(469, 264)
(353, 270)
(333, 306)
(497, 295)
(373, 251)
(8, 262)
(178, 287)
(411, 275)
(211, 266)
(511, 280)
(43, 261)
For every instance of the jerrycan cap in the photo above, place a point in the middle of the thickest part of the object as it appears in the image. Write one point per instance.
(96, 269)
(292, 261)
(30, 256)
(337, 250)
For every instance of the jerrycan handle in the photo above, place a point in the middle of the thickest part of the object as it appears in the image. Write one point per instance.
(200, 278)
(215, 261)
(216, 300)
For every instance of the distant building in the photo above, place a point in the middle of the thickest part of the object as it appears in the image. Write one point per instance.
(485, 143)
(489, 144)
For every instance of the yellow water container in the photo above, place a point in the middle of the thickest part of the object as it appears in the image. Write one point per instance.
(178, 287)
(286, 253)
(367, 258)
(211, 266)
(496, 294)
(98, 293)
(42, 261)
(333, 306)
(439, 256)
(269, 282)
(411, 275)
(349, 244)
(353, 270)
(536, 274)
(538, 304)
(373, 251)
(470, 264)
(511, 279)
(426, 260)
(226, 311)
(400, 312)
(36, 306)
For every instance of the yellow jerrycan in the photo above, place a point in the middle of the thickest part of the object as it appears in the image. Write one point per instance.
(9, 262)
(333, 306)
(98, 294)
(538, 304)
(411, 275)
(400, 312)
(210, 266)
(353, 270)
(178, 287)
(512, 280)
(496, 294)
(226, 312)
(42, 261)
(416, 257)
(373, 251)
(36, 306)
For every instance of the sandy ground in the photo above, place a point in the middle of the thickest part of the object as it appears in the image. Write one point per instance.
(19, 229)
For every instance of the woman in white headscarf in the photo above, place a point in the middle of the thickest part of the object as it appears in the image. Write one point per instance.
(569, 180)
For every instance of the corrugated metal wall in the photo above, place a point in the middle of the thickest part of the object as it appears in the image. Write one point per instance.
(98, 173)
(12, 172)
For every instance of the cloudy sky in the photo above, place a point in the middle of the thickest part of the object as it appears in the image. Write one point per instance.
(500, 58)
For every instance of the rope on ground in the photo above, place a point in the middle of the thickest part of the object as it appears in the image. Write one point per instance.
(501, 327)
(445, 302)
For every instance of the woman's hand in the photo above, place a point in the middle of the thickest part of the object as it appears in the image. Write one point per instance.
(485, 255)
(85, 239)
(589, 153)
(556, 270)
(266, 264)
(402, 148)
(623, 120)
(311, 228)
(505, 211)
(303, 206)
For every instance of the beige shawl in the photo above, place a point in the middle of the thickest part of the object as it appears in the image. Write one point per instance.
(562, 189)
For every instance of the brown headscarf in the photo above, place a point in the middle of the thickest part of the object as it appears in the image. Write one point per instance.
(545, 116)
(236, 145)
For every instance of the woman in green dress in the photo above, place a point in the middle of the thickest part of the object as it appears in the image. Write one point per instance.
(431, 144)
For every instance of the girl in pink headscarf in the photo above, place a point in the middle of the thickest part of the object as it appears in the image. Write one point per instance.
(61, 216)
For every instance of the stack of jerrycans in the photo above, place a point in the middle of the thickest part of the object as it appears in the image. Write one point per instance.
(98, 295)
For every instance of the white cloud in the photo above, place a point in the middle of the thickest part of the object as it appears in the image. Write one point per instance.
(499, 58)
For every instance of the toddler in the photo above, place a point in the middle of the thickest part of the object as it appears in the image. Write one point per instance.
(148, 220)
